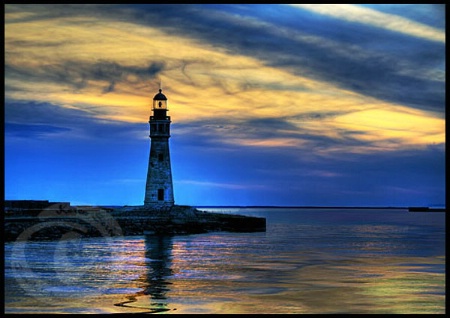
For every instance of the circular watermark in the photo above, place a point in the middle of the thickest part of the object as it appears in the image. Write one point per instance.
(67, 252)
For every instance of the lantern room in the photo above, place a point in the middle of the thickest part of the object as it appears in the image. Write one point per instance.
(159, 101)
(160, 106)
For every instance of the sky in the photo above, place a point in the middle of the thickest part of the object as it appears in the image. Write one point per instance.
(271, 104)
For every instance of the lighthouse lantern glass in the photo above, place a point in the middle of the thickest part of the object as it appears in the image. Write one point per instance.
(159, 104)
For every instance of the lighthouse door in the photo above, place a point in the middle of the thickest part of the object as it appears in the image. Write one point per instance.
(160, 194)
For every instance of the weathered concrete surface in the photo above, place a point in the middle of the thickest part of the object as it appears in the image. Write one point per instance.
(138, 220)
(184, 220)
(159, 175)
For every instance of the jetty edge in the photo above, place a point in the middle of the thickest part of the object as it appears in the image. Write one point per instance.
(425, 209)
(58, 221)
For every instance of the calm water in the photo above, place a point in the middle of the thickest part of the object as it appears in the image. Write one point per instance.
(308, 261)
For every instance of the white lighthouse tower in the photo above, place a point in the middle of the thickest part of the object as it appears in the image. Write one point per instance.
(159, 187)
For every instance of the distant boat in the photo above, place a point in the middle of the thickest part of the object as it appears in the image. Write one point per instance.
(425, 209)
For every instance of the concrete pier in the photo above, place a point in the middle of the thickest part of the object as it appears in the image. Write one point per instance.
(55, 222)
(184, 220)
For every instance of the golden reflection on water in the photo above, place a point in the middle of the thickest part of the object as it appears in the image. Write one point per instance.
(242, 273)
(369, 287)
(383, 284)
(360, 285)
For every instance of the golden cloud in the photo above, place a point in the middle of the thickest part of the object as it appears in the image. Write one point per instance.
(200, 81)
(376, 18)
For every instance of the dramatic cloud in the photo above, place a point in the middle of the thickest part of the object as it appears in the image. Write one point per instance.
(287, 102)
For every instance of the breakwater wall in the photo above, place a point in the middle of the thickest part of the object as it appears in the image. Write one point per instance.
(75, 222)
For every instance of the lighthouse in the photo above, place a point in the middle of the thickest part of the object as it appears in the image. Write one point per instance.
(159, 187)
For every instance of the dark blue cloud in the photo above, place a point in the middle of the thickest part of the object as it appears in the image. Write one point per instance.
(432, 14)
(213, 134)
(387, 64)
(307, 175)
(40, 113)
(36, 120)
(31, 130)
(295, 176)
(77, 74)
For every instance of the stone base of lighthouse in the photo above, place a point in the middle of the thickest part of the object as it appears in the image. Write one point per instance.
(127, 220)
(179, 219)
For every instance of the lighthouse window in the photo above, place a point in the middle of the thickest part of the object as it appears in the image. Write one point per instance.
(160, 157)
(160, 194)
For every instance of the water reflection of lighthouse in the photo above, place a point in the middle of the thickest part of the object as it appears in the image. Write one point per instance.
(158, 253)
(154, 282)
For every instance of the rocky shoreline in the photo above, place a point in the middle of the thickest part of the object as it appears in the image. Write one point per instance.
(57, 223)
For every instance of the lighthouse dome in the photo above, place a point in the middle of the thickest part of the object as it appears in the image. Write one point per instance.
(160, 96)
